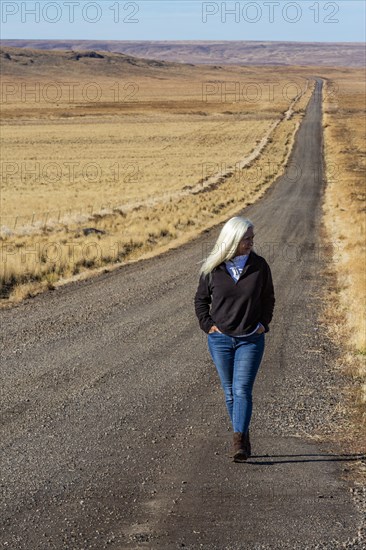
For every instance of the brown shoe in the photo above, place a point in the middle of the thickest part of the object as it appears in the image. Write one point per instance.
(246, 444)
(239, 454)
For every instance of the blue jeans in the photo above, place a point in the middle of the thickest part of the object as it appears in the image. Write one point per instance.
(237, 360)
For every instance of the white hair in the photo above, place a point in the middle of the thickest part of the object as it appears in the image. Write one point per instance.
(227, 243)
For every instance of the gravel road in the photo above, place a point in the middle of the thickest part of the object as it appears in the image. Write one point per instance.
(114, 428)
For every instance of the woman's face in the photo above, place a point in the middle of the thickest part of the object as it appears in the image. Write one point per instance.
(246, 243)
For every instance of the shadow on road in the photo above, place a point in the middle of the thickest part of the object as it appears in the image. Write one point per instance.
(306, 458)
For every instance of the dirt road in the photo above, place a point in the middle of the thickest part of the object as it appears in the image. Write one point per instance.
(114, 429)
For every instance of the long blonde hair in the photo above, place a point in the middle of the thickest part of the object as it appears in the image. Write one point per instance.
(226, 244)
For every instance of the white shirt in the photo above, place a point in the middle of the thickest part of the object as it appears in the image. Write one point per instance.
(236, 265)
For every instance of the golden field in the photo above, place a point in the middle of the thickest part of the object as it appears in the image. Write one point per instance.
(68, 164)
(145, 153)
(344, 217)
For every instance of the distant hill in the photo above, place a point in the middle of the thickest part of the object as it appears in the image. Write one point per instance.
(29, 61)
(223, 53)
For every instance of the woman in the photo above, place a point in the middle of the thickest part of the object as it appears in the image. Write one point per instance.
(237, 284)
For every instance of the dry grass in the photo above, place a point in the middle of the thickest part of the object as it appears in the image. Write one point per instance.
(166, 166)
(344, 220)
(118, 162)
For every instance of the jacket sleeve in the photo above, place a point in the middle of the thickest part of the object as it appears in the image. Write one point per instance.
(267, 297)
(202, 301)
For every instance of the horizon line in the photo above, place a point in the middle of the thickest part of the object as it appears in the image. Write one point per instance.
(179, 41)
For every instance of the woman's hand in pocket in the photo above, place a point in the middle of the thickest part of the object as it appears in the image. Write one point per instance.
(214, 329)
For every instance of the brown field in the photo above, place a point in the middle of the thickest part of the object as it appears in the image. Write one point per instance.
(180, 147)
(344, 216)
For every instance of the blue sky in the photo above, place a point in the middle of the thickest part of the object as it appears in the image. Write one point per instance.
(304, 20)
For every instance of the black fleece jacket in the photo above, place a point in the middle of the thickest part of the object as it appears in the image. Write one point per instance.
(236, 308)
